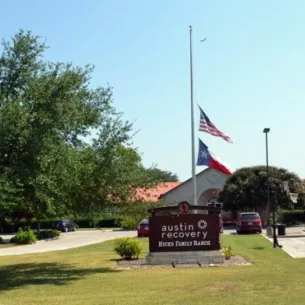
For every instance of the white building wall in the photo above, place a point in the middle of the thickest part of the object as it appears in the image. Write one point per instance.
(207, 179)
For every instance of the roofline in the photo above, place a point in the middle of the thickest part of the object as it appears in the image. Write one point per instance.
(182, 183)
(166, 183)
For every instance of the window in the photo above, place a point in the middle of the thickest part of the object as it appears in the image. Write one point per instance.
(249, 216)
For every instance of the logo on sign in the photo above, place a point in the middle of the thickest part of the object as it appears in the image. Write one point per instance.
(202, 224)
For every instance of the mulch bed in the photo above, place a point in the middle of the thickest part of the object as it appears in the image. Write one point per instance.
(235, 260)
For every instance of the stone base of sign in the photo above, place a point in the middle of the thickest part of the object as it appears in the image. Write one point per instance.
(185, 257)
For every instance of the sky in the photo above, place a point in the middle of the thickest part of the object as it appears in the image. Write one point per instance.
(249, 73)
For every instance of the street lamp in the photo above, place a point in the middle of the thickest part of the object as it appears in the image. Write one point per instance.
(266, 131)
(274, 204)
(275, 241)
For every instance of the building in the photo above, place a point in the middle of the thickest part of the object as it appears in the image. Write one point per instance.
(209, 183)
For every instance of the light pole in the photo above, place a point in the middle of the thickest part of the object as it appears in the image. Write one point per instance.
(275, 241)
(274, 204)
(266, 131)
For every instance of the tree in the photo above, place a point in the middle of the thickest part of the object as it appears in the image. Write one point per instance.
(46, 109)
(246, 189)
(162, 175)
(107, 176)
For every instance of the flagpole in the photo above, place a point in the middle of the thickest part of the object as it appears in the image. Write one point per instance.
(192, 122)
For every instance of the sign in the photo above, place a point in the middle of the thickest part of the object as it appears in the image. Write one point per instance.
(184, 232)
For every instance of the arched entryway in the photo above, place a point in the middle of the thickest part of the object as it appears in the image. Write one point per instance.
(209, 197)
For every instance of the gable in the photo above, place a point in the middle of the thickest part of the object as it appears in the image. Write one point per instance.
(207, 179)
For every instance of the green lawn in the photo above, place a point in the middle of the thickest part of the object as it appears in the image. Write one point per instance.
(5, 245)
(87, 276)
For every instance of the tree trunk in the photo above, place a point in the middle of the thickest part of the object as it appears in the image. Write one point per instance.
(264, 214)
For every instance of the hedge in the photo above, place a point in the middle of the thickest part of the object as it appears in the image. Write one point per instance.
(125, 212)
(47, 224)
(292, 217)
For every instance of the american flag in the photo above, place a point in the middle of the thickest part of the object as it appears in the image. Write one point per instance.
(206, 125)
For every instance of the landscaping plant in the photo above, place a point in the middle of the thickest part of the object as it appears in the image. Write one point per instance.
(227, 251)
(128, 247)
(25, 236)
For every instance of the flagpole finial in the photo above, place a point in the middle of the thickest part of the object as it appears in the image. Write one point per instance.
(191, 27)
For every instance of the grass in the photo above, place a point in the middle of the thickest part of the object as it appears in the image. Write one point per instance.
(5, 245)
(87, 275)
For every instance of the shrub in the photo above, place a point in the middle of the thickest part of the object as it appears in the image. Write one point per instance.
(128, 247)
(91, 223)
(13, 240)
(42, 234)
(129, 223)
(46, 234)
(55, 233)
(292, 217)
(26, 236)
(1, 240)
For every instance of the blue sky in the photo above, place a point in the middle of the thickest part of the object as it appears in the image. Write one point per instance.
(248, 74)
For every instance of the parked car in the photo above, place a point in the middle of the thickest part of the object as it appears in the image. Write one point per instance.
(248, 222)
(64, 225)
(143, 228)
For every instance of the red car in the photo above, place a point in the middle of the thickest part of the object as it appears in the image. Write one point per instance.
(143, 228)
(248, 222)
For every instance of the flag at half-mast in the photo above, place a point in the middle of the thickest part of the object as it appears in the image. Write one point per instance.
(206, 125)
(207, 158)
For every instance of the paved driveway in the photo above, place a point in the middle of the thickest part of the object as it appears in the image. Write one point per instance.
(293, 243)
(289, 231)
(66, 241)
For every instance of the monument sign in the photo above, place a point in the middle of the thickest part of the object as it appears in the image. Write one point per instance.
(186, 232)
(192, 231)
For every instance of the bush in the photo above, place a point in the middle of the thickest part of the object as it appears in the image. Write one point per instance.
(46, 234)
(108, 223)
(46, 224)
(13, 240)
(26, 236)
(129, 222)
(292, 217)
(55, 233)
(1, 240)
(128, 247)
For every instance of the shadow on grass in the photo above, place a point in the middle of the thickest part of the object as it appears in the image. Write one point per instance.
(19, 275)
(258, 248)
(117, 260)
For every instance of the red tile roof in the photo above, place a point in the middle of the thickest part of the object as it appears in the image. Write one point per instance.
(154, 193)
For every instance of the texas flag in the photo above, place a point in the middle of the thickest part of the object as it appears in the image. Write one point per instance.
(205, 157)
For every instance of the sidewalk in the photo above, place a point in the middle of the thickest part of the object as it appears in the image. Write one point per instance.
(293, 243)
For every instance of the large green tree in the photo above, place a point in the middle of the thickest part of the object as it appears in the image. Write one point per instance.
(46, 110)
(162, 175)
(247, 188)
